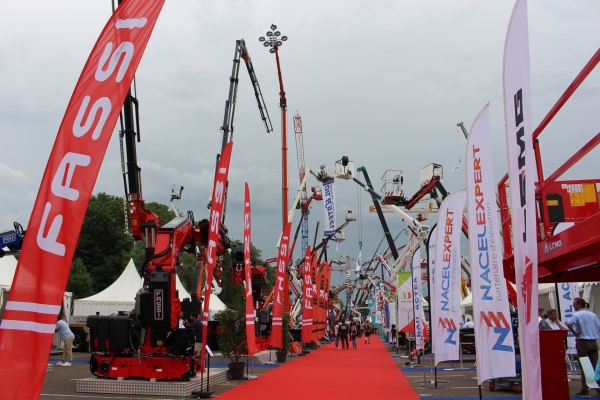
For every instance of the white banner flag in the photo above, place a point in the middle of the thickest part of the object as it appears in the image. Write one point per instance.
(493, 333)
(358, 261)
(431, 277)
(521, 172)
(567, 291)
(405, 303)
(447, 282)
(329, 205)
(418, 300)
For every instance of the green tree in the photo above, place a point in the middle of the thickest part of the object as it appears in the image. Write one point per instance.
(186, 273)
(103, 246)
(164, 213)
(138, 254)
(232, 295)
(80, 281)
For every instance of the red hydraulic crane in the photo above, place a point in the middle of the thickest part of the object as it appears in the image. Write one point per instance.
(568, 212)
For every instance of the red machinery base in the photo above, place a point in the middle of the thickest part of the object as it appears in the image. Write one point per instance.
(156, 367)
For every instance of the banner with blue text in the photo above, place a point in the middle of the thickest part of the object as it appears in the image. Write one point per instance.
(447, 273)
(491, 313)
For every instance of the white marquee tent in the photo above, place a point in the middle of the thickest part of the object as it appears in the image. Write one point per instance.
(120, 296)
(8, 266)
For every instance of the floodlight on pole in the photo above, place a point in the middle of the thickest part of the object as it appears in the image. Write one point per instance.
(273, 41)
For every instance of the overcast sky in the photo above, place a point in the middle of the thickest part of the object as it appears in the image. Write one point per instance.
(384, 83)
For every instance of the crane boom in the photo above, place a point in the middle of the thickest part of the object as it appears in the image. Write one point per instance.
(302, 173)
(240, 52)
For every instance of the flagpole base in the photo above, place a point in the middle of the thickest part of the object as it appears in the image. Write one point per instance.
(203, 395)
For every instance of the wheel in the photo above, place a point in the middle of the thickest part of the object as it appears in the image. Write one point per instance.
(80, 342)
(491, 386)
(517, 389)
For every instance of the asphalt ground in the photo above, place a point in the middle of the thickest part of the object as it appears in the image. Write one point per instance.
(452, 381)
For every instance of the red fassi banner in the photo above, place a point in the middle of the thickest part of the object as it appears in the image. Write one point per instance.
(216, 212)
(314, 271)
(43, 269)
(325, 278)
(307, 299)
(250, 335)
(278, 298)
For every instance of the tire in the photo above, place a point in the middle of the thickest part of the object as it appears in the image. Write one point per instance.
(80, 342)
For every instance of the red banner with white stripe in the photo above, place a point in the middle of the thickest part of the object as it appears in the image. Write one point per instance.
(83, 136)
(250, 330)
(314, 270)
(216, 216)
(324, 286)
(279, 295)
(307, 299)
(522, 173)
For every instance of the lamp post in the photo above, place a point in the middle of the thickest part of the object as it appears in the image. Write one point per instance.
(273, 42)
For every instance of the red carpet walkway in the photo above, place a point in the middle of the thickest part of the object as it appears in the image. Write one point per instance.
(366, 373)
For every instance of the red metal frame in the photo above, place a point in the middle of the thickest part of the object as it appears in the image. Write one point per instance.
(572, 255)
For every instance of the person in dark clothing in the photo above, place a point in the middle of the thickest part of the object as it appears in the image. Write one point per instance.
(353, 333)
(197, 327)
(343, 330)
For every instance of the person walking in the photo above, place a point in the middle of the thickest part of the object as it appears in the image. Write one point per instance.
(336, 331)
(344, 330)
(585, 326)
(67, 337)
(353, 334)
(368, 331)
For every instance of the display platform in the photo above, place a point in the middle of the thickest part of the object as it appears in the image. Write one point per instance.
(146, 387)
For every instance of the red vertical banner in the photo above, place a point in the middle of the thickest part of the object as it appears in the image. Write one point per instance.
(250, 334)
(316, 299)
(279, 295)
(216, 216)
(307, 299)
(325, 278)
(42, 272)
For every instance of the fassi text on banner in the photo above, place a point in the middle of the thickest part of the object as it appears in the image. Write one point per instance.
(250, 335)
(278, 298)
(307, 298)
(53, 230)
(216, 212)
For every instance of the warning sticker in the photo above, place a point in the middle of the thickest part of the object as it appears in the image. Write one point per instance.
(577, 199)
(589, 192)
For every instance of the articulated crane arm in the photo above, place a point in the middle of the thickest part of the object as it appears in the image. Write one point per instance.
(240, 52)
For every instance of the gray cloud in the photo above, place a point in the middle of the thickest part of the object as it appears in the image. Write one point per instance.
(384, 83)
